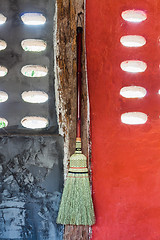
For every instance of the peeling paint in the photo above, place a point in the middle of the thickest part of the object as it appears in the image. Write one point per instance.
(60, 104)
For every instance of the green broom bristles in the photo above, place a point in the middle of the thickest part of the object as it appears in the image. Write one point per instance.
(76, 206)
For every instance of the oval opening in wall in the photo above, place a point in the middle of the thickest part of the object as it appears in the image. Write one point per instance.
(34, 122)
(33, 45)
(135, 16)
(35, 96)
(34, 71)
(3, 45)
(33, 19)
(133, 66)
(2, 19)
(3, 71)
(3, 96)
(133, 92)
(133, 41)
(134, 118)
(3, 123)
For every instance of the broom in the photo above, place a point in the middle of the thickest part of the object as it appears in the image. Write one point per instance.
(76, 206)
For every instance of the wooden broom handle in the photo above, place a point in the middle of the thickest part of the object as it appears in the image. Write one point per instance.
(79, 78)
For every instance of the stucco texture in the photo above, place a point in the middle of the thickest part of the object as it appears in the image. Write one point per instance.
(125, 158)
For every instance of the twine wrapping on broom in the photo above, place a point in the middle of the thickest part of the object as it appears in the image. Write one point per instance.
(76, 205)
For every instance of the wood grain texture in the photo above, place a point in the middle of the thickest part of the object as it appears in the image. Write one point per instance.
(67, 11)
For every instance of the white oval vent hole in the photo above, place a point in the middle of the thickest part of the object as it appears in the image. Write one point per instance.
(134, 118)
(3, 71)
(3, 45)
(35, 96)
(33, 45)
(3, 96)
(34, 71)
(133, 66)
(3, 123)
(33, 19)
(133, 92)
(2, 19)
(133, 41)
(34, 122)
(135, 16)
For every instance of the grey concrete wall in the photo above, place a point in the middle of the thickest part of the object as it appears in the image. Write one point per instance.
(14, 58)
(31, 182)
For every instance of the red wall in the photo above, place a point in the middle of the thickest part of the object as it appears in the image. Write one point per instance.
(125, 158)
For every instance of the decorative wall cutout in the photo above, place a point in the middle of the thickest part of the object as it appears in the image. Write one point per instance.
(134, 118)
(33, 45)
(35, 96)
(3, 123)
(133, 92)
(3, 45)
(133, 41)
(33, 19)
(34, 71)
(34, 122)
(2, 19)
(3, 71)
(3, 96)
(133, 66)
(135, 16)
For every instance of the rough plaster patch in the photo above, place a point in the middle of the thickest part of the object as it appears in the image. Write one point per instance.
(29, 201)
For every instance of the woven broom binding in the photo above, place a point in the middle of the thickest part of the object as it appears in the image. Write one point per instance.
(78, 146)
(78, 160)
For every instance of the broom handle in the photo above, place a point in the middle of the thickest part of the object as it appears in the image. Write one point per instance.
(79, 77)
